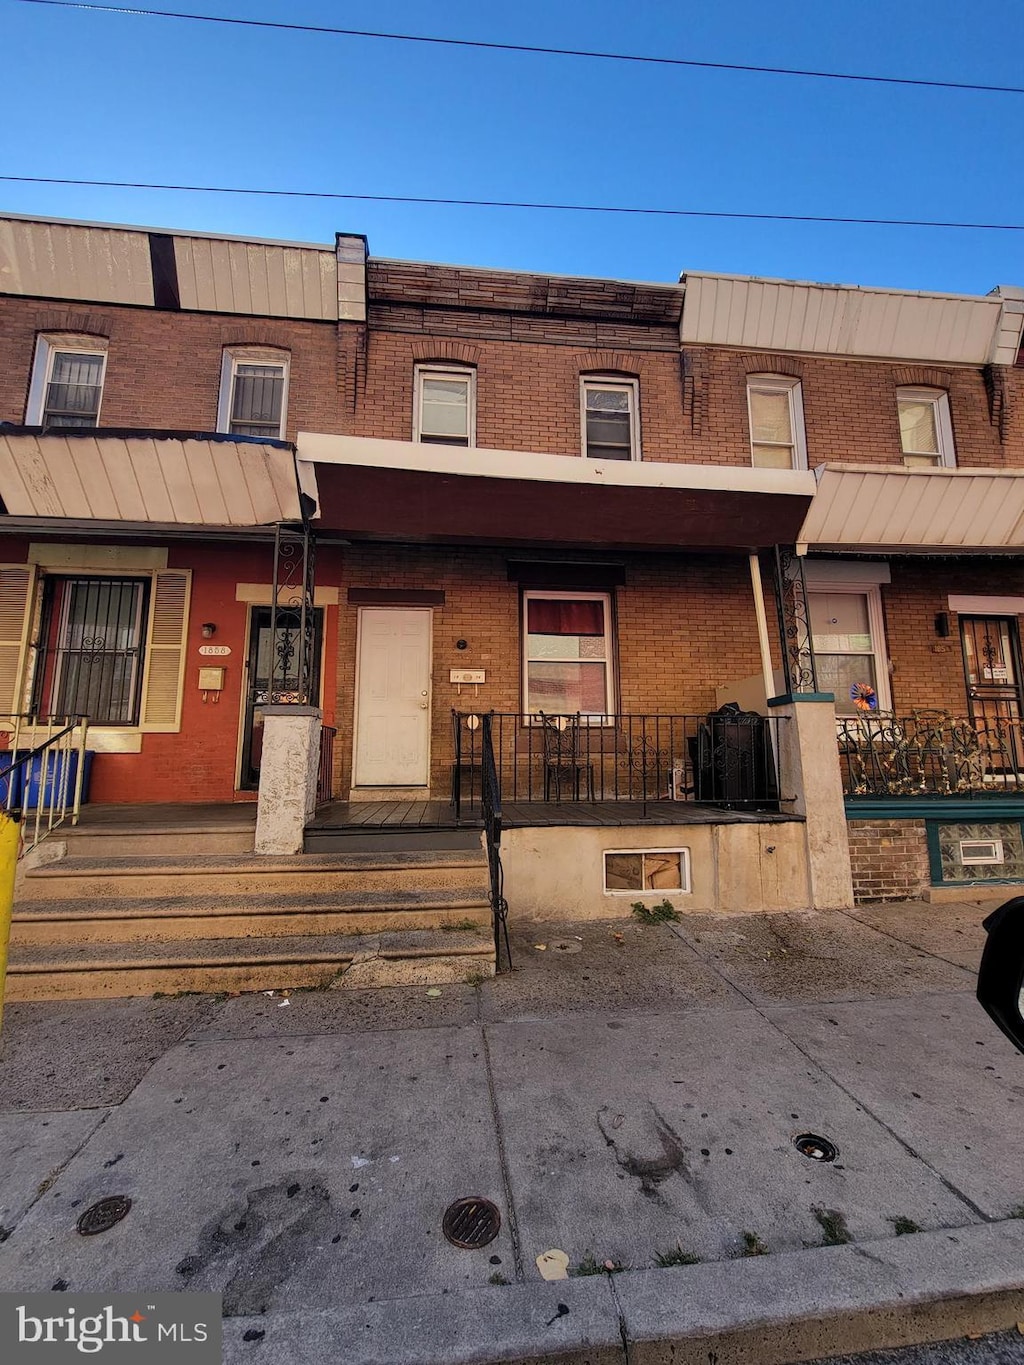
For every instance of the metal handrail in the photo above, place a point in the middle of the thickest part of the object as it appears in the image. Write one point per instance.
(490, 802)
(932, 753)
(46, 771)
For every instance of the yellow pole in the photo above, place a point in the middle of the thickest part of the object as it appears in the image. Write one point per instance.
(10, 838)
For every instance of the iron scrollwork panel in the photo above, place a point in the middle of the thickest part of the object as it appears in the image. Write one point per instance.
(794, 621)
(292, 617)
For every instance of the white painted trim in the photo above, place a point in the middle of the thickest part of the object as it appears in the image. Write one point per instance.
(631, 387)
(819, 573)
(47, 347)
(533, 595)
(261, 595)
(114, 559)
(939, 400)
(353, 781)
(986, 606)
(431, 370)
(482, 462)
(779, 383)
(761, 616)
(272, 357)
(685, 889)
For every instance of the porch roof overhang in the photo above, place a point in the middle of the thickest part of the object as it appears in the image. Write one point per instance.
(404, 491)
(147, 478)
(871, 508)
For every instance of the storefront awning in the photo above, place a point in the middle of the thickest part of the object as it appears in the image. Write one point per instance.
(402, 490)
(872, 507)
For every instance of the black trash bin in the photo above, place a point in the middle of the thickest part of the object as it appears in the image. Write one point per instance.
(735, 761)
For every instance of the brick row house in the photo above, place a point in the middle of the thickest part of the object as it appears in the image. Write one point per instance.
(559, 525)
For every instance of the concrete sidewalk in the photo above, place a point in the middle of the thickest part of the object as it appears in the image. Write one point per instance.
(628, 1095)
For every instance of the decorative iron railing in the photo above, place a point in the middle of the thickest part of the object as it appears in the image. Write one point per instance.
(726, 758)
(325, 773)
(930, 753)
(490, 802)
(42, 772)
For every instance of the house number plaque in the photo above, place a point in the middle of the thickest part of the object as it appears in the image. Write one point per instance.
(215, 651)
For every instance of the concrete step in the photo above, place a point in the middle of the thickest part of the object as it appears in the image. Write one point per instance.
(118, 878)
(382, 839)
(171, 841)
(91, 971)
(181, 918)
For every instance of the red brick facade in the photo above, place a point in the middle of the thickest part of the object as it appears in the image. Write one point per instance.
(889, 859)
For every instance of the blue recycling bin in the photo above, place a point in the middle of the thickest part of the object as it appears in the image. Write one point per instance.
(33, 777)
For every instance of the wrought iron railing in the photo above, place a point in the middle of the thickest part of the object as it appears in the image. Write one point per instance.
(725, 758)
(325, 773)
(490, 802)
(930, 753)
(42, 772)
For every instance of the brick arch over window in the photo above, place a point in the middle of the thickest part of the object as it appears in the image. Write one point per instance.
(610, 362)
(785, 365)
(272, 338)
(921, 377)
(445, 353)
(75, 324)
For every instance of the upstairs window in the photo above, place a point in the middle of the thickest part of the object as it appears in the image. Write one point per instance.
(567, 663)
(253, 396)
(775, 408)
(444, 406)
(611, 427)
(67, 384)
(926, 432)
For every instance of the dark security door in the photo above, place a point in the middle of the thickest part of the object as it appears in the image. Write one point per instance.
(261, 646)
(992, 671)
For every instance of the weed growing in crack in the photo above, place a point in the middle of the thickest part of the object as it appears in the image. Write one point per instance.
(753, 1246)
(833, 1225)
(663, 912)
(903, 1226)
(590, 1266)
(677, 1256)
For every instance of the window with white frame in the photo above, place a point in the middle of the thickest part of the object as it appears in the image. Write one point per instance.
(567, 654)
(253, 395)
(444, 406)
(849, 647)
(643, 870)
(775, 409)
(610, 418)
(926, 432)
(67, 383)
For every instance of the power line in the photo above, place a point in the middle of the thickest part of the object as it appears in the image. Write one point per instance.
(516, 204)
(139, 12)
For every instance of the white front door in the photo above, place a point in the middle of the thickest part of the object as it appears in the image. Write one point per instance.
(393, 698)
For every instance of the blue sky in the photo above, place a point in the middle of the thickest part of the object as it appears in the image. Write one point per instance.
(122, 98)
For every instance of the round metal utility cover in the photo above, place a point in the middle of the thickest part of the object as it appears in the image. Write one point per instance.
(101, 1217)
(565, 945)
(815, 1147)
(471, 1223)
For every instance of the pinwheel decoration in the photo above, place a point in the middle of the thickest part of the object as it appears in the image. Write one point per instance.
(864, 697)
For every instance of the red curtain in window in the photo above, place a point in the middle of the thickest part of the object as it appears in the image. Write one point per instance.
(554, 616)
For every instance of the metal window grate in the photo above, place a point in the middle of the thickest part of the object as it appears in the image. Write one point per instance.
(95, 664)
(256, 400)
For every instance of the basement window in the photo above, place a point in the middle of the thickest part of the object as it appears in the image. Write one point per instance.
(639, 870)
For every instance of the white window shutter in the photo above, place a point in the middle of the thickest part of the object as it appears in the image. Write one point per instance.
(165, 650)
(17, 584)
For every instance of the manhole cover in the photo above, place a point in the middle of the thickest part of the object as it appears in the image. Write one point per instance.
(815, 1148)
(102, 1216)
(471, 1223)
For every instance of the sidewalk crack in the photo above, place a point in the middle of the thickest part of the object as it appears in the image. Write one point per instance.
(506, 1181)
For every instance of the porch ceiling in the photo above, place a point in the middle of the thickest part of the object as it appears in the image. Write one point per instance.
(401, 490)
(871, 507)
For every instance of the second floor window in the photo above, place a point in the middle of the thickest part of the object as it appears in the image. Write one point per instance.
(926, 433)
(611, 428)
(776, 422)
(253, 395)
(444, 406)
(67, 385)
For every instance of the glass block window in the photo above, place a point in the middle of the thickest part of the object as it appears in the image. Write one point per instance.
(989, 851)
(648, 869)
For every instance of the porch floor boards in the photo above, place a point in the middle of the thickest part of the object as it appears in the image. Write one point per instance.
(202, 815)
(527, 814)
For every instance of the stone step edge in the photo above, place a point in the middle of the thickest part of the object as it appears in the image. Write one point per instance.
(303, 864)
(797, 1305)
(392, 905)
(411, 954)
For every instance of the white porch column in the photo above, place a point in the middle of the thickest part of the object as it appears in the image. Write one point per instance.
(810, 769)
(289, 766)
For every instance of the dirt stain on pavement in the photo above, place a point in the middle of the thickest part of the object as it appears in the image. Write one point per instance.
(650, 1170)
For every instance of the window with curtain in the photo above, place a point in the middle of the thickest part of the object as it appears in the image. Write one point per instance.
(73, 390)
(610, 427)
(849, 650)
(567, 647)
(926, 433)
(775, 407)
(445, 406)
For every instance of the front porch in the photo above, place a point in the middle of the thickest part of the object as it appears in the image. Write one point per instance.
(392, 816)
